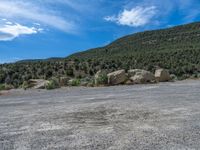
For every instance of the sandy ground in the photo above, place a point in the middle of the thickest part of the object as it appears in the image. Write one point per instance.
(150, 117)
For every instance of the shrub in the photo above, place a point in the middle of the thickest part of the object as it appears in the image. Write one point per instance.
(173, 77)
(91, 83)
(52, 84)
(101, 79)
(5, 87)
(64, 81)
(198, 75)
(25, 85)
(2, 87)
(85, 81)
(74, 82)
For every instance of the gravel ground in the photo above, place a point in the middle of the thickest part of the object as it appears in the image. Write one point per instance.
(155, 117)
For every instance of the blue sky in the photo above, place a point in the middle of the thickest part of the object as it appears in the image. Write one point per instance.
(34, 29)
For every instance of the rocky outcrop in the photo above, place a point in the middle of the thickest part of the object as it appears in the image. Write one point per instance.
(162, 75)
(138, 76)
(37, 83)
(117, 77)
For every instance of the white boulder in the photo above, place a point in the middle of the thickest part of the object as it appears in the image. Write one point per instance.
(162, 75)
(117, 77)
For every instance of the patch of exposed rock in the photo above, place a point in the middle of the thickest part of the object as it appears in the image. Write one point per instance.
(37, 83)
(138, 76)
(117, 77)
(162, 75)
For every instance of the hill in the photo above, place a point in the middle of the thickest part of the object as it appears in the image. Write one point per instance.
(177, 38)
(176, 49)
(39, 60)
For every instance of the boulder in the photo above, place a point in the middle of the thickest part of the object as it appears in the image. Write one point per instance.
(137, 79)
(133, 72)
(129, 82)
(117, 77)
(162, 75)
(141, 77)
(37, 83)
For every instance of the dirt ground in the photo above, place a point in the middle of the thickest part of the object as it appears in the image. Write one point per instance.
(151, 117)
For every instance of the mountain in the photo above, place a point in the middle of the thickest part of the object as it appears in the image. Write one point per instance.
(176, 49)
(184, 37)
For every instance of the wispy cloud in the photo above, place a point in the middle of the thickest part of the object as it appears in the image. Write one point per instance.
(80, 16)
(77, 5)
(135, 17)
(10, 31)
(30, 11)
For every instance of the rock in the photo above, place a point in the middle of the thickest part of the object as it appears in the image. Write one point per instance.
(83, 83)
(133, 72)
(129, 82)
(90, 85)
(117, 77)
(64, 81)
(37, 83)
(142, 77)
(137, 79)
(162, 75)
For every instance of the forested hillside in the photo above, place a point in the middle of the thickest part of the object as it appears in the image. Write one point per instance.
(176, 49)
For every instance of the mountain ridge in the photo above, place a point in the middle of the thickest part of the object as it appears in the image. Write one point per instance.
(136, 35)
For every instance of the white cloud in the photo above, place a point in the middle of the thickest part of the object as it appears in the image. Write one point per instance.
(8, 22)
(138, 16)
(35, 12)
(10, 31)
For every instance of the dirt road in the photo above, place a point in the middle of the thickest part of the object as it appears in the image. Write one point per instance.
(155, 117)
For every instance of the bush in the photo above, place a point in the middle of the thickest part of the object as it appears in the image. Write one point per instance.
(2, 87)
(64, 81)
(25, 85)
(101, 79)
(52, 84)
(5, 87)
(74, 82)
(85, 81)
(198, 75)
(173, 77)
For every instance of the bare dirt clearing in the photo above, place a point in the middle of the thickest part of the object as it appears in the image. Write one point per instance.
(162, 116)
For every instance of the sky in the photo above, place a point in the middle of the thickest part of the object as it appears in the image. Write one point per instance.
(37, 29)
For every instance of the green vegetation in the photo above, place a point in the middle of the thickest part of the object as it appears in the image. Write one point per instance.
(52, 84)
(5, 87)
(101, 79)
(176, 49)
(74, 82)
(25, 85)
